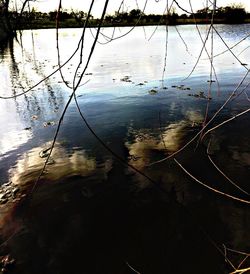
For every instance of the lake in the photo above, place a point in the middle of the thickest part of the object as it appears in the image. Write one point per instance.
(93, 211)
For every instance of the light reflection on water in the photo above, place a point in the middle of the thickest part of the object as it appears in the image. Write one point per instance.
(61, 165)
(169, 140)
(138, 124)
(109, 100)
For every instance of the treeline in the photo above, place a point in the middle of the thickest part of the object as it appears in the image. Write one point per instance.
(34, 19)
(229, 14)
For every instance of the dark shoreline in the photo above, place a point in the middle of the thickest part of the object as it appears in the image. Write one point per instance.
(62, 24)
(106, 25)
(69, 23)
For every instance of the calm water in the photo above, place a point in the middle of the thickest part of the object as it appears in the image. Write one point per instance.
(90, 213)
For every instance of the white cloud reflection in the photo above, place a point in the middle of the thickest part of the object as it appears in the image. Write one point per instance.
(61, 165)
(170, 140)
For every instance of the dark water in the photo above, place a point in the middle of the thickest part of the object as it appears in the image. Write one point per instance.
(92, 214)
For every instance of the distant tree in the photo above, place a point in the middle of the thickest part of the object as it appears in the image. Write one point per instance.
(183, 16)
(120, 17)
(235, 13)
(79, 16)
(4, 5)
(63, 15)
(11, 20)
(203, 13)
(135, 13)
(109, 18)
(153, 18)
(170, 17)
(5, 26)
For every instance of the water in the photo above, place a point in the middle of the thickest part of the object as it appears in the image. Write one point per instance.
(89, 211)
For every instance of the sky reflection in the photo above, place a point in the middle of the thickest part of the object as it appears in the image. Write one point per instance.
(168, 141)
(136, 56)
(62, 164)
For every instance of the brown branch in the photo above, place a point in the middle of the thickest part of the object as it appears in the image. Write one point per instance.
(241, 271)
(132, 268)
(211, 188)
(221, 172)
(227, 121)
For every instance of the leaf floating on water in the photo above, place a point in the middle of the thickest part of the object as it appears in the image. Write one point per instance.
(153, 92)
(34, 117)
(45, 152)
(201, 95)
(211, 81)
(126, 79)
(8, 192)
(181, 87)
(49, 123)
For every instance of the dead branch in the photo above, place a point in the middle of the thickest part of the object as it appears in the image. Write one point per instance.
(211, 188)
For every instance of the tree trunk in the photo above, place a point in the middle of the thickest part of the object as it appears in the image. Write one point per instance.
(6, 30)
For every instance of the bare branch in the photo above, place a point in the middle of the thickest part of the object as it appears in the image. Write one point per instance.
(211, 188)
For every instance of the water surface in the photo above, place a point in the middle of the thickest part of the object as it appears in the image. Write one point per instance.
(88, 205)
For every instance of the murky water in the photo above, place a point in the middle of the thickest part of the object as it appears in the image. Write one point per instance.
(92, 214)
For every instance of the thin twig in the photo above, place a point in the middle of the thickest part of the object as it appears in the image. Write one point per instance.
(229, 49)
(208, 123)
(118, 157)
(70, 98)
(241, 271)
(221, 172)
(243, 261)
(130, 30)
(211, 188)
(226, 121)
(137, 272)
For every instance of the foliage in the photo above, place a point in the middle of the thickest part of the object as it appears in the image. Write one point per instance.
(229, 14)
(22, 19)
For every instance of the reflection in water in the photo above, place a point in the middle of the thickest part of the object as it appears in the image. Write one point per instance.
(169, 140)
(243, 158)
(19, 72)
(23, 120)
(13, 139)
(61, 165)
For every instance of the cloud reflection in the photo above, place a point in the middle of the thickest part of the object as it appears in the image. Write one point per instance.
(170, 140)
(61, 165)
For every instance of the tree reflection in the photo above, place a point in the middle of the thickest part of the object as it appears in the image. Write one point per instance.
(47, 98)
